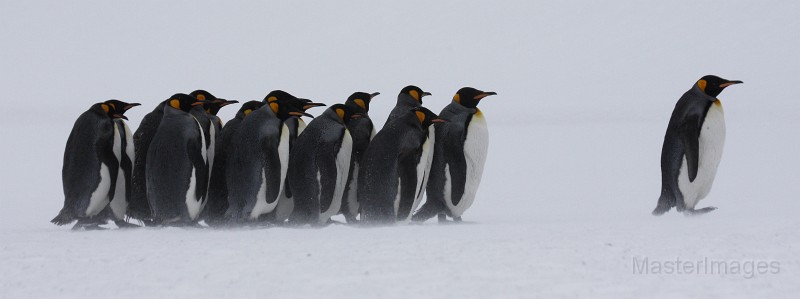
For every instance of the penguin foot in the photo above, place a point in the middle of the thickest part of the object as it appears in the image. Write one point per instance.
(125, 224)
(87, 226)
(698, 212)
(331, 221)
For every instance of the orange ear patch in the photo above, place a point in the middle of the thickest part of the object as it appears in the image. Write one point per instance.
(420, 116)
(247, 112)
(175, 103)
(702, 84)
(340, 113)
(457, 98)
(200, 97)
(272, 99)
(360, 103)
(414, 94)
(104, 107)
(274, 107)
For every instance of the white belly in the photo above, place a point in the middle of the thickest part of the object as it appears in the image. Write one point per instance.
(193, 203)
(712, 140)
(476, 146)
(342, 170)
(262, 207)
(99, 198)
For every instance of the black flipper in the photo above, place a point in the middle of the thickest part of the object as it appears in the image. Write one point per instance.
(692, 129)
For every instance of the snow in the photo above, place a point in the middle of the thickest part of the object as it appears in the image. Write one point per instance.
(585, 91)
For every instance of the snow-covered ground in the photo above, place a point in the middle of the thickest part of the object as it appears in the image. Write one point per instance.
(585, 92)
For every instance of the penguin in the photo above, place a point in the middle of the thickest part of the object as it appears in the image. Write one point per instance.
(125, 155)
(90, 168)
(214, 210)
(693, 147)
(218, 188)
(458, 157)
(361, 131)
(258, 160)
(319, 164)
(409, 97)
(177, 169)
(206, 123)
(382, 182)
(295, 126)
(139, 206)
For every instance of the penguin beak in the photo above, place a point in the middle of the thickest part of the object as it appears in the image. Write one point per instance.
(224, 102)
(129, 106)
(439, 120)
(198, 103)
(299, 114)
(375, 94)
(485, 94)
(312, 105)
(120, 116)
(425, 93)
(729, 83)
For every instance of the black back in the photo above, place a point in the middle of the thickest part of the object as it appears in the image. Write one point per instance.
(139, 206)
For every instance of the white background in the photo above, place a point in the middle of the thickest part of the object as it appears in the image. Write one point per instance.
(585, 90)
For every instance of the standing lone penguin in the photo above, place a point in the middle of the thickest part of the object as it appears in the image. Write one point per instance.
(692, 147)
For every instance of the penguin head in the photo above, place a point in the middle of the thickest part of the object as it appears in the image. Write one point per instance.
(344, 113)
(249, 107)
(713, 85)
(286, 105)
(184, 102)
(212, 103)
(359, 101)
(414, 92)
(117, 108)
(214, 106)
(426, 117)
(470, 97)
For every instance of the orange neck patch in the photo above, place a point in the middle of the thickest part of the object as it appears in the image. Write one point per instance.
(360, 103)
(457, 98)
(420, 116)
(175, 104)
(104, 107)
(414, 94)
(201, 97)
(274, 107)
(247, 112)
(702, 84)
(272, 99)
(340, 113)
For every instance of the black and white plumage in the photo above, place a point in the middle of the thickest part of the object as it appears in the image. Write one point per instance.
(388, 182)
(258, 159)
(124, 152)
(177, 169)
(458, 159)
(692, 147)
(90, 169)
(319, 165)
(218, 187)
(362, 131)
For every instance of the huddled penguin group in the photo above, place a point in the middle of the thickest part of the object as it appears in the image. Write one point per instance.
(184, 167)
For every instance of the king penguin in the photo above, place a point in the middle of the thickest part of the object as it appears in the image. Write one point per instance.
(362, 131)
(124, 154)
(90, 168)
(258, 160)
(218, 189)
(139, 207)
(216, 205)
(318, 166)
(382, 183)
(295, 126)
(177, 169)
(458, 157)
(692, 147)
(409, 97)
